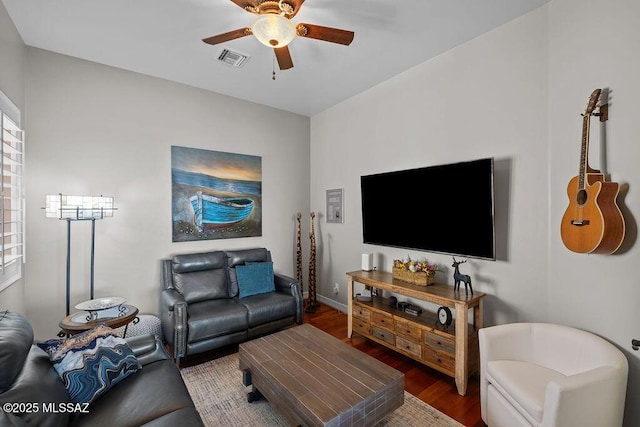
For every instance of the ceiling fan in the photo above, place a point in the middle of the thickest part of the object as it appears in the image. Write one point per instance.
(273, 28)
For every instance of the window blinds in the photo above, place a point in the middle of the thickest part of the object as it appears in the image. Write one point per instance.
(11, 201)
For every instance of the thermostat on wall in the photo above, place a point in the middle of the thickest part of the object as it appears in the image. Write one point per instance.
(334, 206)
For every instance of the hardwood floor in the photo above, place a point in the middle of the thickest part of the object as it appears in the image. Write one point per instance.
(429, 385)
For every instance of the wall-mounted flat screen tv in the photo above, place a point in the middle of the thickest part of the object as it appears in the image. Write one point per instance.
(445, 209)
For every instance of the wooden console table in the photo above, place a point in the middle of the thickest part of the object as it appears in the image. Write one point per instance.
(452, 351)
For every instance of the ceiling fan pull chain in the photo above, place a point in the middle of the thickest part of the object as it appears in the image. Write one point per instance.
(273, 64)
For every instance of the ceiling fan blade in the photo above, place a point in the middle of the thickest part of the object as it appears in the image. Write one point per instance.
(245, 4)
(326, 34)
(231, 35)
(284, 57)
(296, 7)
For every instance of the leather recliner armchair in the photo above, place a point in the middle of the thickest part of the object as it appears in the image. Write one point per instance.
(200, 305)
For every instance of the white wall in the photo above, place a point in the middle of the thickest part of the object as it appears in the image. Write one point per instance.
(486, 98)
(515, 93)
(593, 45)
(99, 130)
(12, 72)
(12, 84)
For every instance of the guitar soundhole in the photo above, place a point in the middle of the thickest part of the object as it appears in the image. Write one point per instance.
(581, 197)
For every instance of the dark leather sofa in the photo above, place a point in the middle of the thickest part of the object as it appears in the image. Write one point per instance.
(154, 396)
(200, 305)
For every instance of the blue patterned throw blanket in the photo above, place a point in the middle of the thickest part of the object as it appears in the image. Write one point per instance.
(91, 363)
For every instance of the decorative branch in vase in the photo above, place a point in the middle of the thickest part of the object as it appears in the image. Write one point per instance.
(299, 252)
(312, 304)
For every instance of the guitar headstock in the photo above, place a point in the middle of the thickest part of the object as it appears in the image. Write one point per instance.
(593, 102)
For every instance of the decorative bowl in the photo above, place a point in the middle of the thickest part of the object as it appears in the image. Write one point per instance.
(101, 303)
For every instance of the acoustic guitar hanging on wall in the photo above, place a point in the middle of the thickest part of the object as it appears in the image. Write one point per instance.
(593, 222)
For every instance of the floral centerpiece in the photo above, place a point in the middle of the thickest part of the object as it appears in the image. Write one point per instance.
(416, 272)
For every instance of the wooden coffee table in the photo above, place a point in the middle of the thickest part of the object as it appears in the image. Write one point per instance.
(314, 379)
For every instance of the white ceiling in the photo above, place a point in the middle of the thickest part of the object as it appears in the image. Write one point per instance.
(162, 38)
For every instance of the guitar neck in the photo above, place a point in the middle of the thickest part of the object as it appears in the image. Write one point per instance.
(584, 150)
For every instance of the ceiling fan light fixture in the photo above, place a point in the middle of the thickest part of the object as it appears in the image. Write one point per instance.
(273, 30)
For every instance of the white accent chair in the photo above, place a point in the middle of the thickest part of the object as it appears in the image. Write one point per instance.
(542, 374)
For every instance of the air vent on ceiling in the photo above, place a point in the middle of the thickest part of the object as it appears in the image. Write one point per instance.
(234, 58)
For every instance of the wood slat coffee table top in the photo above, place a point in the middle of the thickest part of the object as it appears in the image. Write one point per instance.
(315, 379)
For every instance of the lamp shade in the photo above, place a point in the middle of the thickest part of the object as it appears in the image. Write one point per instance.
(78, 207)
(273, 30)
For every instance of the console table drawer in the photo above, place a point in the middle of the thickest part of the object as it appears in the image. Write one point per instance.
(445, 360)
(362, 313)
(409, 346)
(362, 327)
(382, 320)
(408, 329)
(383, 335)
(438, 342)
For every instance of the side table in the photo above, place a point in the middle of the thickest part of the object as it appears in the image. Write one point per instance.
(76, 322)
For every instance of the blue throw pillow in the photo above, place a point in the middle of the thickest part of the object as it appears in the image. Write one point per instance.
(255, 278)
(91, 363)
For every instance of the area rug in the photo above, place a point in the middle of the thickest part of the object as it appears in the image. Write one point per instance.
(221, 398)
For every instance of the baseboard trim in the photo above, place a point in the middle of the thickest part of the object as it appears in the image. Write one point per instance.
(328, 301)
(333, 303)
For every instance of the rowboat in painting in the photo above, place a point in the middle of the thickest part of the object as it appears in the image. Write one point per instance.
(217, 211)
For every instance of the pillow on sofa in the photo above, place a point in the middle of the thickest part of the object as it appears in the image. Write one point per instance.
(91, 362)
(255, 278)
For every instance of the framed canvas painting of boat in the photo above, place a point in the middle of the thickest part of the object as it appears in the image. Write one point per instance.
(215, 195)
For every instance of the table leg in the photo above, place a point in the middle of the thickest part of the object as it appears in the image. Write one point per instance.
(254, 394)
(477, 316)
(462, 348)
(350, 307)
(134, 321)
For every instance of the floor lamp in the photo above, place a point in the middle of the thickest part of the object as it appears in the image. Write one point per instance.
(78, 208)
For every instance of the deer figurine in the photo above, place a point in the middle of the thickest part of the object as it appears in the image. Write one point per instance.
(458, 277)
